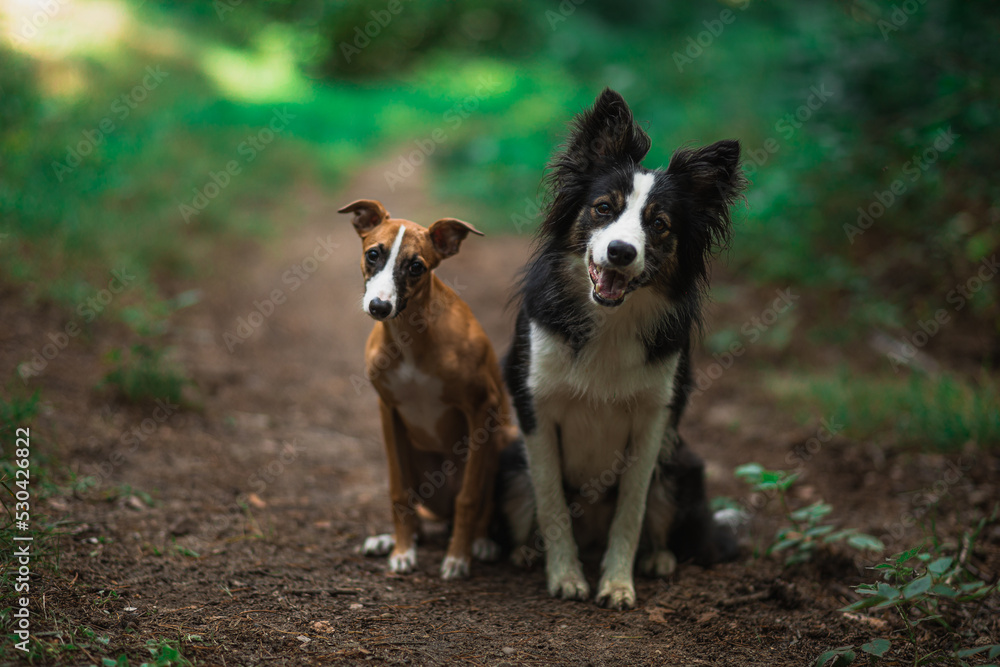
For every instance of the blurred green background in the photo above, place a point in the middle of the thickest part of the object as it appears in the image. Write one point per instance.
(870, 130)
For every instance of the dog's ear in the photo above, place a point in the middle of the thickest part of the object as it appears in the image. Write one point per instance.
(447, 235)
(368, 214)
(603, 134)
(713, 180)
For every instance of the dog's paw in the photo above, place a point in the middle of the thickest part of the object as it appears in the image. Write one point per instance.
(616, 594)
(379, 545)
(523, 557)
(454, 568)
(403, 562)
(485, 549)
(658, 564)
(568, 583)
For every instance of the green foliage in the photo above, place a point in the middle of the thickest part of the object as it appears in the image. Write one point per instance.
(143, 374)
(926, 587)
(18, 411)
(807, 532)
(938, 412)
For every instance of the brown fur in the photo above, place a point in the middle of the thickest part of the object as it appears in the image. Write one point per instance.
(436, 334)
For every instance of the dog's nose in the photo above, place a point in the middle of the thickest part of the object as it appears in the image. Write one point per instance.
(380, 309)
(621, 253)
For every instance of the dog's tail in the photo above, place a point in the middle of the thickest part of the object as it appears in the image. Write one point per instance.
(514, 506)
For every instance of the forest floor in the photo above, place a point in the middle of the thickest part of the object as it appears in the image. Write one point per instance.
(230, 530)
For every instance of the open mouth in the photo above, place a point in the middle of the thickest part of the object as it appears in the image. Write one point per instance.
(610, 285)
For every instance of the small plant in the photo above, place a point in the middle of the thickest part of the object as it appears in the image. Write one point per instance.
(925, 587)
(807, 532)
(141, 374)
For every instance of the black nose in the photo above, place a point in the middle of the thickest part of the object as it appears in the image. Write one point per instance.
(379, 308)
(621, 253)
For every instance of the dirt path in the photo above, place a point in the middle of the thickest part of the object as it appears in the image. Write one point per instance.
(262, 497)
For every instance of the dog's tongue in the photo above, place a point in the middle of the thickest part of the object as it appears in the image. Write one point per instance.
(610, 284)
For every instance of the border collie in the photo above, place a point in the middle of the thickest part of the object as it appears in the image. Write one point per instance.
(599, 368)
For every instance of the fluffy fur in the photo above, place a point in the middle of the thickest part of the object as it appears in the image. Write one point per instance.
(599, 369)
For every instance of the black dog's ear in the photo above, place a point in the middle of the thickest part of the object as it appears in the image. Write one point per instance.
(368, 214)
(714, 181)
(603, 134)
(447, 235)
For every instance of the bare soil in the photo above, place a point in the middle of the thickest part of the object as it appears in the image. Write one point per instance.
(262, 492)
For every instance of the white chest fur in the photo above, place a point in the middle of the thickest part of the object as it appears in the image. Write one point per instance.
(599, 396)
(417, 396)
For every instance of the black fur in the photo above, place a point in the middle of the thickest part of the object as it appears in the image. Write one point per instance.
(694, 193)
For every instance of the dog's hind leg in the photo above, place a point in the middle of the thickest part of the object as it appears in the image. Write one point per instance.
(661, 508)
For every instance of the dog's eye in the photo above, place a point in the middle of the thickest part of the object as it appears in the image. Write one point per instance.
(660, 225)
(372, 255)
(604, 208)
(416, 269)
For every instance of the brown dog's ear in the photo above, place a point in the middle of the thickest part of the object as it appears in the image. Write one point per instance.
(447, 235)
(368, 214)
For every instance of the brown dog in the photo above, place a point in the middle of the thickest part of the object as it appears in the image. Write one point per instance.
(445, 415)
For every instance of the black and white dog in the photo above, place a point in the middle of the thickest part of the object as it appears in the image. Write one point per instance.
(599, 367)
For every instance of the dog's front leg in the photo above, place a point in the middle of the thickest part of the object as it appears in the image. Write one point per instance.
(475, 495)
(562, 564)
(616, 588)
(403, 557)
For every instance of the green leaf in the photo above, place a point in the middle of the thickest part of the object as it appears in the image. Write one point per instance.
(994, 651)
(865, 542)
(838, 657)
(940, 566)
(888, 592)
(917, 587)
(108, 662)
(867, 603)
(876, 647)
(816, 531)
(815, 511)
(781, 545)
(904, 556)
(944, 590)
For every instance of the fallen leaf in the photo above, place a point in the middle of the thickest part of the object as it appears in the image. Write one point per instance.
(659, 614)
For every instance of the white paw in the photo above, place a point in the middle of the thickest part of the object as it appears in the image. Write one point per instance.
(616, 594)
(658, 564)
(454, 568)
(402, 563)
(485, 549)
(379, 545)
(567, 582)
